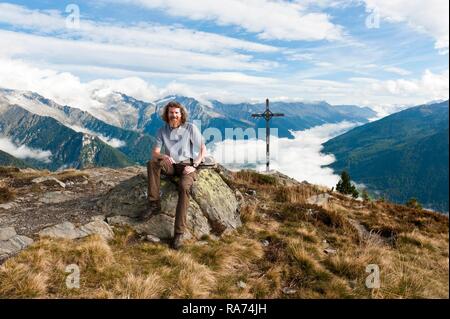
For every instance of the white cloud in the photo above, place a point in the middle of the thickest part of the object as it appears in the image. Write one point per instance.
(227, 77)
(138, 35)
(66, 89)
(147, 61)
(431, 86)
(300, 158)
(292, 55)
(62, 87)
(19, 15)
(176, 88)
(23, 151)
(389, 96)
(397, 70)
(122, 50)
(270, 19)
(114, 142)
(132, 86)
(431, 16)
(229, 87)
(155, 59)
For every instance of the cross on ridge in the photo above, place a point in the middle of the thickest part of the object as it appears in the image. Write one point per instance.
(267, 115)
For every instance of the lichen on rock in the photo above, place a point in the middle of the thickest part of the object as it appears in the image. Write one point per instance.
(213, 206)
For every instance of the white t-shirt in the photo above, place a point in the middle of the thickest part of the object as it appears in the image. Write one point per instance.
(181, 143)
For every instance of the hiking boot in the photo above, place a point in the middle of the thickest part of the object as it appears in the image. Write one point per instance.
(177, 242)
(153, 208)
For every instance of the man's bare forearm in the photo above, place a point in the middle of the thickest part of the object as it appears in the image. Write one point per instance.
(201, 154)
(156, 154)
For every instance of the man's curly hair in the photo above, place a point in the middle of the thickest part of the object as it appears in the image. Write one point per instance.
(165, 112)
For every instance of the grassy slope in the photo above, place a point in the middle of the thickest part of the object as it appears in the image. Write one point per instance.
(399, 155)
(413, 264)
(9, 160)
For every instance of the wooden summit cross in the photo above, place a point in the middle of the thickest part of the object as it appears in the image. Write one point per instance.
(267, 115)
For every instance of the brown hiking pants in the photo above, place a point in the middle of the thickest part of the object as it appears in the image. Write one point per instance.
(154, 169)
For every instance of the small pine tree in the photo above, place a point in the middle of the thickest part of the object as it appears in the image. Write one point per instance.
(413, 203)
(344, 186)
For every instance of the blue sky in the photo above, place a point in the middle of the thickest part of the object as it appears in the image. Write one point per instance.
(230, 50)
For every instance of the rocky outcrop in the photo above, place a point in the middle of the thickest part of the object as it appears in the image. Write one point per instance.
(47, 209)
(49, 178)
(67, 230)
(11, 243)
(217, 201)
(213, 206)
(128, 198)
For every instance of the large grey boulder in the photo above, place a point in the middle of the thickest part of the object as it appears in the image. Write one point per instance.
(126, 199)
(213, 206)
(217, 201)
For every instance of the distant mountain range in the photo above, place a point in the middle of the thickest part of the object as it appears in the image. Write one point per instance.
(401, 156)
(68, 148)
(121, 130)
(298, 115)
(135, 145)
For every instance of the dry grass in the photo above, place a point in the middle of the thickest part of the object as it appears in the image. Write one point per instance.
(71, 175)
(139, 287)
(294, 194)
(22, 177)
(254, 178)
(20, 280)
(8, 171)
(271, 189)
(248, 212)
(6, 194)
(280, 246)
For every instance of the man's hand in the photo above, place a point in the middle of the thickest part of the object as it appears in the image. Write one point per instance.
(196, 163)
(167, 159)
(188, 170)
(156, 154)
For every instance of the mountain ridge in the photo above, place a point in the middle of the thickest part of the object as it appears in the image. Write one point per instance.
(403, 155)
(68, 147)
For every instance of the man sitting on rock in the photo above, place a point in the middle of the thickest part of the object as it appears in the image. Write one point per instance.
(181, 141)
